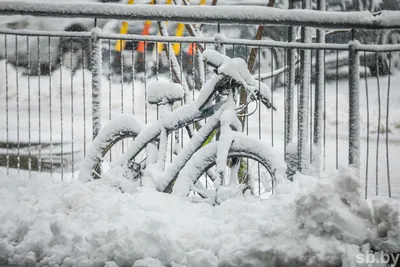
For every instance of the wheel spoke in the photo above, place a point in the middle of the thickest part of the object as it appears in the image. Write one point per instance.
(254, 178)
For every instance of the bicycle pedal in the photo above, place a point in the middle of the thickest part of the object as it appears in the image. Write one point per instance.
(133, 171)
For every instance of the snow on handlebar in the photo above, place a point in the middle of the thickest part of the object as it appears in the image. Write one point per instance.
(236, 68)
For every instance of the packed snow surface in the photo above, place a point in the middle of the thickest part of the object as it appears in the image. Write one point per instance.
(310, 222)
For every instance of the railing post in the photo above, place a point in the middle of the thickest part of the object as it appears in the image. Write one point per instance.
(290, 156)
(96, 81)
(354, 107)
(319, 95)
(303, 145)
(289, 95)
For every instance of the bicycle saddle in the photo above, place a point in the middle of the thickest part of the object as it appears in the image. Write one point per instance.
(164, 92)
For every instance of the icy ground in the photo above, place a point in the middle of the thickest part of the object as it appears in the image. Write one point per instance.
(311, 222)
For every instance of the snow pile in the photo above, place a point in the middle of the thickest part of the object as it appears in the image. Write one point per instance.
(313, 222)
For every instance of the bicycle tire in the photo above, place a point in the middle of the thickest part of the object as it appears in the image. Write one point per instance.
(242, 147)
(106, 140)
(117, 129)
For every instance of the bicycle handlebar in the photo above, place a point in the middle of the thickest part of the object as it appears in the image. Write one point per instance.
(239, 75)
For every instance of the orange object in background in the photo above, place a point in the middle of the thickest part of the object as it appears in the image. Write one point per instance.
(192, 49)
(145, 31)
(120, 44)
(180, 29)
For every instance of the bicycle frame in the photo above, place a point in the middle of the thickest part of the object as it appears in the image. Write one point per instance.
(177, 119)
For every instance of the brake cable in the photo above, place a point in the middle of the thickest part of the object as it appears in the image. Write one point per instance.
(248, 114)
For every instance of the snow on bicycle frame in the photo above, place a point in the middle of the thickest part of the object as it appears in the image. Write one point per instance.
(236, 68)
(220, 114)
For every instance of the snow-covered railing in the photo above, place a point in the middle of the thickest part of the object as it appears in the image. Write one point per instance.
(207, 14)
(354, 108)
(314, 123)
(209, 40)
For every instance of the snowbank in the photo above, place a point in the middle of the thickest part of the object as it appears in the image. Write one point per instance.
(311, 222)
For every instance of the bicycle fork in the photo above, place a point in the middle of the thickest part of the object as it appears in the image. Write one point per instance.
(163, 145)
(229, 124)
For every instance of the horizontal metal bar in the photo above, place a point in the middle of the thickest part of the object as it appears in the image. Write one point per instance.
(207, 14)
(377, 48)
(205, 40)
(174, 39)
(46, 33)
(154, 38)
(222, 40)
(280, 44)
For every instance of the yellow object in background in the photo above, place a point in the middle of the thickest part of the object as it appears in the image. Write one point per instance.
(179, 33)
(180, 29)
(120, 44)
(160, 46)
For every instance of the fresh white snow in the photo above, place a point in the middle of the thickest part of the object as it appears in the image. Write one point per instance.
(55, 220)
(312, 221)
(208, 14)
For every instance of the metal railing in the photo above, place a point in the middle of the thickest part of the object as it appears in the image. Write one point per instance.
(51, 113)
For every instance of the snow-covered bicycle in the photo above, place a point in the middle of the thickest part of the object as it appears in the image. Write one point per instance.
(230, 165)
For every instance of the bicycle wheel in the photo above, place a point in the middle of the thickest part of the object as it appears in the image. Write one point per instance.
(111, 142)
(261, 166)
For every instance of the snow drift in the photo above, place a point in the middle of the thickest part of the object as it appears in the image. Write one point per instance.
(310, 222)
